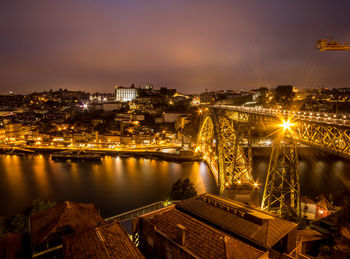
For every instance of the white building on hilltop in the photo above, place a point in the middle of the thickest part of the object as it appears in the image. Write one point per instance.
(125, 94)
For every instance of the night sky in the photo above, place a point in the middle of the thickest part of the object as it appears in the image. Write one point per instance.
(92, 45)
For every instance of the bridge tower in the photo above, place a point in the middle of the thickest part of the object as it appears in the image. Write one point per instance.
(282, 188)
(219, 142)
(226, 130)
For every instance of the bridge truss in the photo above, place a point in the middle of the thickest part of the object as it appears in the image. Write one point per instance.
(225, 128)
(219, 142)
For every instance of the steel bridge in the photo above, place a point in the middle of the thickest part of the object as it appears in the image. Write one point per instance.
(226, 130)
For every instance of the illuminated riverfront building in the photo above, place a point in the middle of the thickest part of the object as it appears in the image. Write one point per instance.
(125, 94)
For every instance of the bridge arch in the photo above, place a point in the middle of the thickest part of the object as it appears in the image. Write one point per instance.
(219, 144)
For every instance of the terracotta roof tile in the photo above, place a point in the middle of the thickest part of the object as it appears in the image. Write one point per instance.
(237, 218)
(307, 199)
(11, 245)
(202, 240)
(47, 225)
(105, 241)
(325, 204)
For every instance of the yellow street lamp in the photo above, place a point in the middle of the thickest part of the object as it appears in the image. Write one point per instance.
(286, 125)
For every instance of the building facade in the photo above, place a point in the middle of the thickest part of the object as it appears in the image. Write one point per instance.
(125, 94)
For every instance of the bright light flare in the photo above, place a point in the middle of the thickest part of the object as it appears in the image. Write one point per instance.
(286, 125)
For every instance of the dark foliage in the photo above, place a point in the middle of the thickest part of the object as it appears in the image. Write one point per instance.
(284, 94)
(19, 223)
(263, 98)
(182, 189)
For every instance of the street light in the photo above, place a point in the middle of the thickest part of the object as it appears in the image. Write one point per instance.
(286, 125)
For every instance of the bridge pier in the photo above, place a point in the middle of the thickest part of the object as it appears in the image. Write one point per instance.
(282, 188)
(224, 129)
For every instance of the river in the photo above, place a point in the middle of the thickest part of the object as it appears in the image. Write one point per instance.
(115, 185)
(119, 184)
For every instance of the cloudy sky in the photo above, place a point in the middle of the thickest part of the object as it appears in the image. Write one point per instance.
(191, 45)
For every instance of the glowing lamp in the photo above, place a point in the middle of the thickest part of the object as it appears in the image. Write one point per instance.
(286, 125)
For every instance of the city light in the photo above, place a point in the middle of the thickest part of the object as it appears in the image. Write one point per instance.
(174, 104)
(286, 125)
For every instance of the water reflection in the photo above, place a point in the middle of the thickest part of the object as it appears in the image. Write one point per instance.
(114, 186)
(316, 176)
(41, 173)
(120, 184)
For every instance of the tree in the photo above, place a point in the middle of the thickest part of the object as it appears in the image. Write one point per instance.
(263, 98)
(19, 223)
(182, 189)
(284, 94)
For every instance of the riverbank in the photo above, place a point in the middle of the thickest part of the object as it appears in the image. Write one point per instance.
(156, 153)
(182, 156)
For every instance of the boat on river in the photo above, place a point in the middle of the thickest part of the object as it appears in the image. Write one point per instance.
(75, 156)
(125, 156)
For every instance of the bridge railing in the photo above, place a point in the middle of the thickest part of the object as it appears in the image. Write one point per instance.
(323, 117)
(141, 211)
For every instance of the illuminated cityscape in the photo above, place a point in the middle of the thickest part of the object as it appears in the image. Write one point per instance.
(175, 130)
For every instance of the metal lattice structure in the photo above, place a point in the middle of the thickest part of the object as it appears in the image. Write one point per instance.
(282, 188)
(220, 138)
(220, 146)
(206, 145)
(235, 163)
(331, 138)
(331, 45)
(323, 133)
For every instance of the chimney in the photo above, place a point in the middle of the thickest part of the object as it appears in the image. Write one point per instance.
(180, 234)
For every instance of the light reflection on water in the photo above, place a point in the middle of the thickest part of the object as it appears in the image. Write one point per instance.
(120, 184)
(114, 186)
(327, 176)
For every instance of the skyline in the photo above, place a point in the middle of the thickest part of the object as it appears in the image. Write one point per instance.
(190, 46)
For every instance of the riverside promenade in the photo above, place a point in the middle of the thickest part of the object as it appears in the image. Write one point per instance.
(157, 153)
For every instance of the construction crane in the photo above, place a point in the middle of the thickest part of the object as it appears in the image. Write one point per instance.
(325, 44)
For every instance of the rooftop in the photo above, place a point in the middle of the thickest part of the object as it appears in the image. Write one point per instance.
(237, 219)
(307, 199)
(202, 240)
(63, 219)
(104, 241)
(325, 204)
